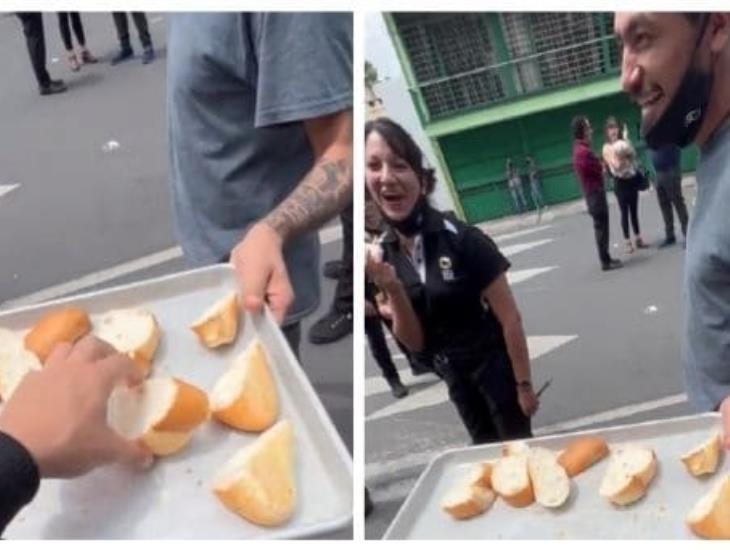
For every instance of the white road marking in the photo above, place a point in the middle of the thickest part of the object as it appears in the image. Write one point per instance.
(516, 234)
(523, 247)
(95, 278)
(390, 468)
(7, 188)
(522, 275)
(435, 395)
(156, 20)
(326, 236)
(612, 415)
(375, 385)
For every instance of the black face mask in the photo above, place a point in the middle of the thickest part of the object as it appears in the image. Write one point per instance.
(682, 119)
(413, 222)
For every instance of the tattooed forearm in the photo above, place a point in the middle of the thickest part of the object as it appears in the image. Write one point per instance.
(324, 192)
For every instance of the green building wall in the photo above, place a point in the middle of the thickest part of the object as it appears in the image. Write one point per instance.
(476, 158)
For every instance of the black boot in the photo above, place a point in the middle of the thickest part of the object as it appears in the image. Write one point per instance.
(397, 388)
(368, 503)
(333, 269)
(331, 327)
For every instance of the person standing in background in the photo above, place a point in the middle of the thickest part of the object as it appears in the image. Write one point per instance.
(514, 183)
(589, 171)
(337, 323)
(125, 44)
(534, 176)
(619, 158)
(74, 61)
(36, 41)
(667, 164)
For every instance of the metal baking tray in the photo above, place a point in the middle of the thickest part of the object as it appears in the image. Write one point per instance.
(174, 499)
(660, 513)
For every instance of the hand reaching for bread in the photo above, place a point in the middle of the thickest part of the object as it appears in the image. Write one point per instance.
(69, 436)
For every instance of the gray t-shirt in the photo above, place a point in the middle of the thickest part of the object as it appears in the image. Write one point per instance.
(706, 346)
(238, 88)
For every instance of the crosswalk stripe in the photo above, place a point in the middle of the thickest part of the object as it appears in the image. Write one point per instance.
(513, 249)
(517, 234)
(435, 395)
(522, 275)
(7, 188)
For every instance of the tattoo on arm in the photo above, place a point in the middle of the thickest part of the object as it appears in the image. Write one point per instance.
(324, 192)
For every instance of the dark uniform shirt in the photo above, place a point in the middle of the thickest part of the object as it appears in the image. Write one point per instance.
(460, 262)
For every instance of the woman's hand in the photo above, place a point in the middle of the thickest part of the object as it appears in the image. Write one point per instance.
(382, 274)
(529, 402)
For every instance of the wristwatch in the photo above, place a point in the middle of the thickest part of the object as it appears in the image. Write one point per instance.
(524, 385)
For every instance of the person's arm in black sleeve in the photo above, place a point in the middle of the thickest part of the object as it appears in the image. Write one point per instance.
(19, 479)
(488, 267)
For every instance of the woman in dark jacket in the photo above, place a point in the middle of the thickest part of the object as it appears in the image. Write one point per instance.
(459, 312)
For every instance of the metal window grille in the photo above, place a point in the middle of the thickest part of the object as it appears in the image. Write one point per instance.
(456, 66)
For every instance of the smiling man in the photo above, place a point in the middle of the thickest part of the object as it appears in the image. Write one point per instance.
(676, 66)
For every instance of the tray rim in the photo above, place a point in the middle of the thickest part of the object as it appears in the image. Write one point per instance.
(444, 456)
(342, 454)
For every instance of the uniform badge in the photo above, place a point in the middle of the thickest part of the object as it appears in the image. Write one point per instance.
(445, 265)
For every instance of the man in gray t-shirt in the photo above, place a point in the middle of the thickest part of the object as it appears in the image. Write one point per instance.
(260, 140)
(677, 67)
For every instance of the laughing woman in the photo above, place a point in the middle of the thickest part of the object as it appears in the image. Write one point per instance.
(454, 278)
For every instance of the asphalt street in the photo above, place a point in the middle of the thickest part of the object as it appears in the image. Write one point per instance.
(608, 341)
(84, 196)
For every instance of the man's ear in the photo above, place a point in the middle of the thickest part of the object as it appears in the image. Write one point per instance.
(720, 31)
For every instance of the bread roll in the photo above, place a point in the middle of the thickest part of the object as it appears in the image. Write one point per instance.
(258, 483)
(133, 332)
(630, 471)
(710, 517)
(703, 459)
(245, 397)
(582, 453)
(219, 324)
(549, 480)
(161, 413)
(66, 324)
(511, 480)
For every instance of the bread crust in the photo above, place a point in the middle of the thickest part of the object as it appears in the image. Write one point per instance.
(67, 324)
(582, 453)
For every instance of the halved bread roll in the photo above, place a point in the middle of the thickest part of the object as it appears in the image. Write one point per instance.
(550, 482)
(480, 475)
(133, 331)
(704, 458)
(15, 362)
(582, 453)
(629, 473)
(258, 483)
(66, 324)
(511, 480)
(219, 324)
(161, 413)
(710, 516)
(515, 448)
(245, 397)
(467, 501)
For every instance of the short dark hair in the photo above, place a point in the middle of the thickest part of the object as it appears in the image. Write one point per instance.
(404, 146)
(579, 124)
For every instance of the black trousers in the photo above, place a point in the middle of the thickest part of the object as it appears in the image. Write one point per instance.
(669, 193)
(140, 21)
(36, 42)
(627, 194)
(598, 209)
(485, 395)
(343, 291)
(379, 347)
(78, 28)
